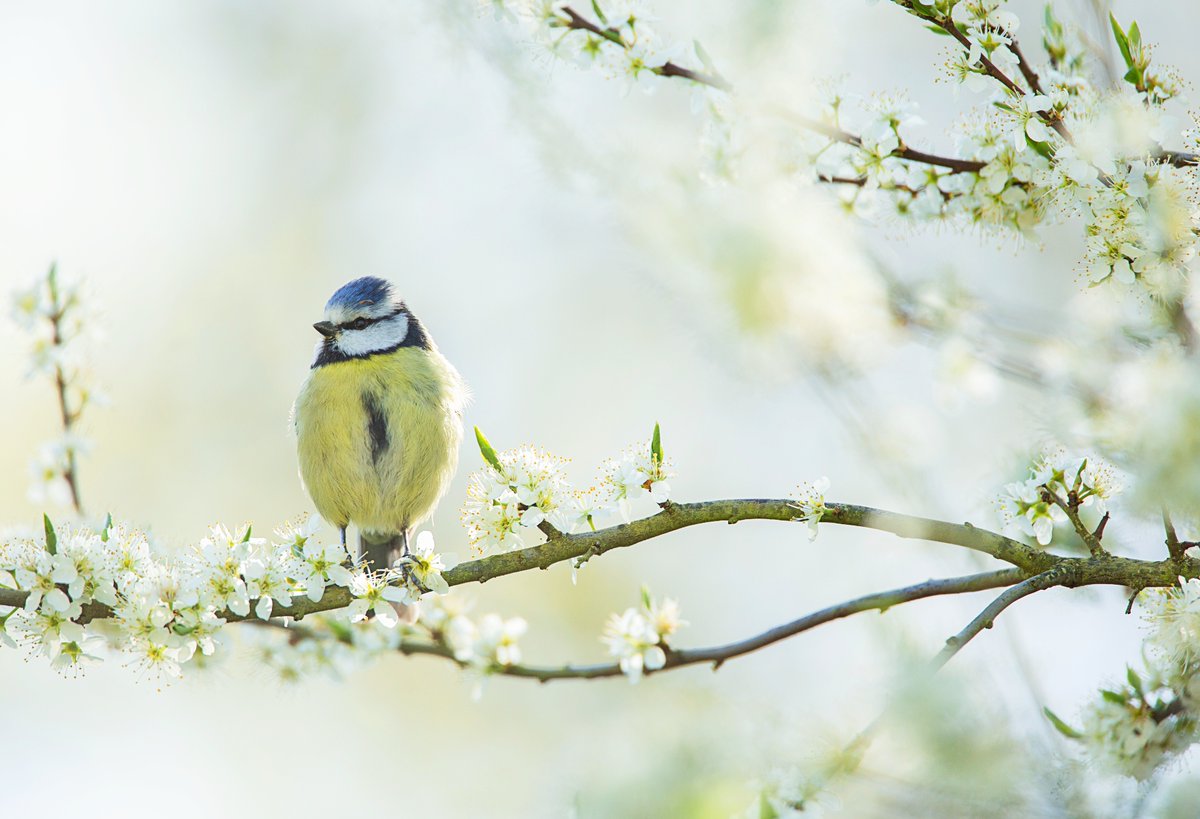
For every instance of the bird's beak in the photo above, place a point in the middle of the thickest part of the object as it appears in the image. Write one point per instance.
(326, 328)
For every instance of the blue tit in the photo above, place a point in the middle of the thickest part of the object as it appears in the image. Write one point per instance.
(378, 421)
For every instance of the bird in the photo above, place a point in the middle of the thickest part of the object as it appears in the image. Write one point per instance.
(378, 420)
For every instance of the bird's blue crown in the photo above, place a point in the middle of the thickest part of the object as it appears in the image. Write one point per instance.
(369, 294)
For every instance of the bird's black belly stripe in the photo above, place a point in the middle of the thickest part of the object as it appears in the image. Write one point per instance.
(377, 427)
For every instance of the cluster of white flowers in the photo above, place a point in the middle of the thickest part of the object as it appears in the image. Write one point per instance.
(638, 636)
(1028, 507)
(85, 588)
(641, 472)
(520, 489)
(1140, 724)
(53, 312)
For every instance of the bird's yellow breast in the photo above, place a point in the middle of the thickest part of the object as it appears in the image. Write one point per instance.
(378, 437)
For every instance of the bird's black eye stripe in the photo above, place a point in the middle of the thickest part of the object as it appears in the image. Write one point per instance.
(362, 322)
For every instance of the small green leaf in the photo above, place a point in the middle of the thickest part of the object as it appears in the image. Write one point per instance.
(599, 13)
(52, 284)
(1122, 40)
(1051, 22)
(1135, 38)
(923, 9)
(1064, 729)
(1042, 148)
(1134, 680)
(938, 30)
(51, 535)
(246, 537)
(107, 528)
(1134, 75)
(485, 449)
(646, 597)
(765, 809)
(656, 452)
(1112, 696)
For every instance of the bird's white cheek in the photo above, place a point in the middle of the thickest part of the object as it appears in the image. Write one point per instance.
(383, 335)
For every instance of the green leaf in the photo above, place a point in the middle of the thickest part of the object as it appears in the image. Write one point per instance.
(1112, 696)
(765, 809)
(1064, 729)
(1042, 148)
(485, 449)
(246, 537)
(599, 13)
(1134, 75)
(1135, 38)
(1134, 680)
(52, 283)
(923, 9)
(938, 30)
(1122, 40)
(656, 452)
(51, 535)
(1052, 24)
(646, 597)
(107, 527)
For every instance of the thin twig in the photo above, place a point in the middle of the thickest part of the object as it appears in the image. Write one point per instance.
(903, 152)
(1174, 547)
(67, 417)
(1071, 509)
(987, 617)
(577, 22)
(1026, 67)
(1053, 120)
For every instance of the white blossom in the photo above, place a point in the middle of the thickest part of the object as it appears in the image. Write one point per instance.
(375, 593)
(424, 566)
(810, 504)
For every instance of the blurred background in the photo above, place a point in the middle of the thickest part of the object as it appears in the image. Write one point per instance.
(214, 170)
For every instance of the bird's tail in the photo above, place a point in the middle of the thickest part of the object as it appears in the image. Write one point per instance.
(380, 550)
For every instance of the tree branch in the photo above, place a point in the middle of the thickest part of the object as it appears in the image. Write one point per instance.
(985, 619)
(1097, 570)
(718, 655)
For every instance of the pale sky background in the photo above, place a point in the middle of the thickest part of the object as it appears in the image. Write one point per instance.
(214, 171)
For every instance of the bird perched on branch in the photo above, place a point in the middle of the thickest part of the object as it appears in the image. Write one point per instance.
(378, 421)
